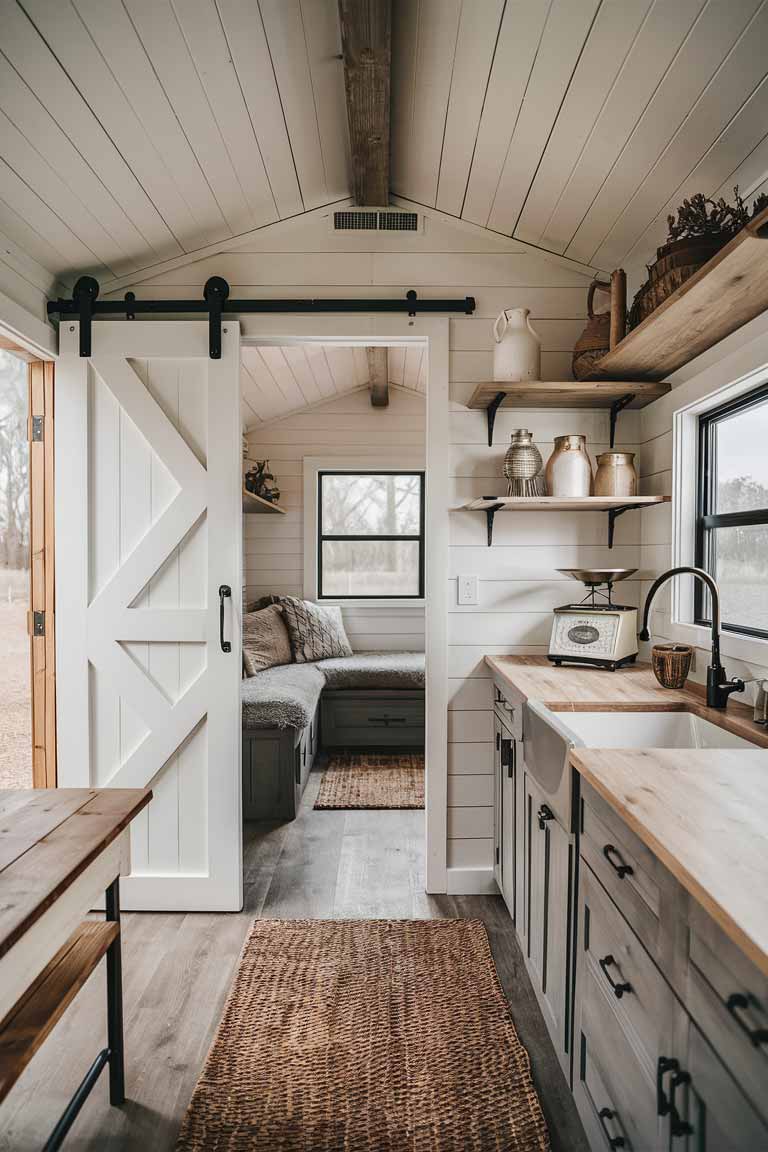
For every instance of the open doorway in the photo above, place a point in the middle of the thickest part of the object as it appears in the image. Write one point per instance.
(335, 446)
(27, 679)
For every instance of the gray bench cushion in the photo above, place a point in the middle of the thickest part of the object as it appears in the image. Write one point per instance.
(284, 697)
(374, 670)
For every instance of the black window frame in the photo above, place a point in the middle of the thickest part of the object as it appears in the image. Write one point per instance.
(708, 521)
(322, 537)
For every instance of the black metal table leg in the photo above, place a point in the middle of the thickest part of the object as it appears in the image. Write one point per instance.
(115, 1002)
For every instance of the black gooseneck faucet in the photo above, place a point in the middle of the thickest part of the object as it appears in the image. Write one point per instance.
(718, 687)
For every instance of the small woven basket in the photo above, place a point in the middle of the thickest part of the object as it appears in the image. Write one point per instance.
(671, 664)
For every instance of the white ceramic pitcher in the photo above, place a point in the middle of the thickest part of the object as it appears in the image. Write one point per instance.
(517, 354)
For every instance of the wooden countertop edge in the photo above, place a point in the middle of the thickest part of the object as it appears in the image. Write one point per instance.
(673, 863)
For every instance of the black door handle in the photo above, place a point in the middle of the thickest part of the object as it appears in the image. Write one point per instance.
(665, 1105)
(618, 989)
(224, 592)
(613, 1141)
(509, 756)
(621, 869)
(738, 1002)
(544, 814)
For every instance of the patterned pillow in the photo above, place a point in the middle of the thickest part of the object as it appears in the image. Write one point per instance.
(316, 633)
(265, 640)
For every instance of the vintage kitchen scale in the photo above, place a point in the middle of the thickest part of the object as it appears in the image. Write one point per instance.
(596, 631)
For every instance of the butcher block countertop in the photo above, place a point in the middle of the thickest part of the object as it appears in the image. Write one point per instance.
(702, 812)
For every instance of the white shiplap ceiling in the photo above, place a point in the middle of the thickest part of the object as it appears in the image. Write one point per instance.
(276, 381)
(137, 131)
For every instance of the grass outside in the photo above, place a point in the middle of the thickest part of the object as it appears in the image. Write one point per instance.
(15, 699)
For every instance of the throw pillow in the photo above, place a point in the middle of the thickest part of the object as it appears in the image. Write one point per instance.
(265, 640)
(316, 633)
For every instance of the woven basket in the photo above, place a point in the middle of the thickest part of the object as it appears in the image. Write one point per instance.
(675, 263)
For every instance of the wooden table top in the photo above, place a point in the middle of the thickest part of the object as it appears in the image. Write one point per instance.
(48, 837)
(702, 812)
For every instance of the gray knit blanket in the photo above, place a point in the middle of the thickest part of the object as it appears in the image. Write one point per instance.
(287, 696)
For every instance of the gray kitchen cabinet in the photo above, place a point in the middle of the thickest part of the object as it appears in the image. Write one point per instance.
(548, 865)
(505, 812)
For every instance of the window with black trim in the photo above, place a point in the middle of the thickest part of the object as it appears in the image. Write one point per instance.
(732, 513)
(370, 535)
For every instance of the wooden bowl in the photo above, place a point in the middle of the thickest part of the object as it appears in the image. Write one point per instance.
(671, 664)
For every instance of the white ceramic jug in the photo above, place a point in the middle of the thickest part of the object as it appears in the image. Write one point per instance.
(517, 354)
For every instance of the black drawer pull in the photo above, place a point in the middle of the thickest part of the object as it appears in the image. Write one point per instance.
(544, 815)
(509, 756)
(387, 720)
(618, 989)
(604, 1115)
(737, 1003)
(665, 1105)
(621, 869)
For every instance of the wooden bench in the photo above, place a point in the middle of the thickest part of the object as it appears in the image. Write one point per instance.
(61, 850)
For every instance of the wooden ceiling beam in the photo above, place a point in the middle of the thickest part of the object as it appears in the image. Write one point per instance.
(366, 40)
(378, 376)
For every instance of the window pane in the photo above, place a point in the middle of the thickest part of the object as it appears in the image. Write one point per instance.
(742, 460)
(740, 562)
(355, 505)
(370, 568)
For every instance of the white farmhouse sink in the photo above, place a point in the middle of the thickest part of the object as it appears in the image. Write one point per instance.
(647, 730)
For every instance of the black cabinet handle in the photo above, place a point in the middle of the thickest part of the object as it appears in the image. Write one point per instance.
(387, 720)
(604, 1115)
(544, 815)
(665, 1105)
(737, 1003)
(618, 988)
(621, 869)
(224, 593)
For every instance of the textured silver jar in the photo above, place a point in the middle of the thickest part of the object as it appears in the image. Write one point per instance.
(522, 465)
(569, 469)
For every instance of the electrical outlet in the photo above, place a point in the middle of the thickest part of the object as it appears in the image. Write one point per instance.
(467, 590)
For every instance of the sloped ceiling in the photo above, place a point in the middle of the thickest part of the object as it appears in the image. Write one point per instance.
(133, 132)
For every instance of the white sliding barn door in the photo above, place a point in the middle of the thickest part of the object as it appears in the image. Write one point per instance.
(148, 526)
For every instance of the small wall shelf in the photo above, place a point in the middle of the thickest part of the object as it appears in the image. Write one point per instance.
(728, 291)
(252, 503)
(613, 505)
(612, 394)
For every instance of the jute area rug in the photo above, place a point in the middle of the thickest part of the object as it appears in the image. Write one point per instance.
(372, 780)
(365, 1036)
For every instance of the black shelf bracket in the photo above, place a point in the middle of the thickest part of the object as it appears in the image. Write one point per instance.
(490, 514)
(490, 414)
(85, 305)
(616, 407)
(613, 515)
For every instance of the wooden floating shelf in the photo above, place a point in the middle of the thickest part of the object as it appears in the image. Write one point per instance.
(727, 292)
(612, 394)
(613, 505)
(253, 503)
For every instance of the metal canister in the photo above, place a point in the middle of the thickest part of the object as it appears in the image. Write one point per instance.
(569, 468)
(616, 474)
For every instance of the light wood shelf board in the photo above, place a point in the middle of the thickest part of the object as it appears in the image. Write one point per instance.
(568, 393)
(257, 504)
(561, 503)
(727, 292)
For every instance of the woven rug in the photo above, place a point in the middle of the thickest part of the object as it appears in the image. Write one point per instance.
(365, 1036)
(373, 780)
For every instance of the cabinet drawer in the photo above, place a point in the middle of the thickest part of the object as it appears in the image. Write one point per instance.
(356, 719)
(728, 998)
(712, 1103)
(647, 894)
(637, 992)
(614, 1091)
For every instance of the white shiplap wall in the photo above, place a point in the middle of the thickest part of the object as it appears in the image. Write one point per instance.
(740, 355)
(518, 581)
(273, 554)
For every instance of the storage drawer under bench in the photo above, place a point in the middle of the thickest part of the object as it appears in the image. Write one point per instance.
(354, 718)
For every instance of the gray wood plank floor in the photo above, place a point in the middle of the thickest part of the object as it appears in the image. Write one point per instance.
(177, 969)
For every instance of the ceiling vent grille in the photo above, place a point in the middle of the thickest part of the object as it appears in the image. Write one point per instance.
(369, 219)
